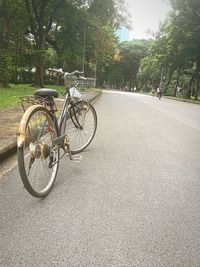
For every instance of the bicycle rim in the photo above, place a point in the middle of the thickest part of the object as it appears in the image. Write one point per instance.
(81, 126)
(37, 159)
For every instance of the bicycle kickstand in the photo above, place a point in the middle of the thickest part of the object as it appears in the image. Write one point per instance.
(75, 158)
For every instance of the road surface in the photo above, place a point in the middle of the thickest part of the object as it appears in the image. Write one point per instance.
(133, 200)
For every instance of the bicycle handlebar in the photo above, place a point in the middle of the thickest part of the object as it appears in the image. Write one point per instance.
(60, 71)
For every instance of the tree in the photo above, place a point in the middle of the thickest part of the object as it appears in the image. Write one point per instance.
(12, 29)
(67, 37)
(42, 15)
(185, 22)
(123, 67)
(131, 56)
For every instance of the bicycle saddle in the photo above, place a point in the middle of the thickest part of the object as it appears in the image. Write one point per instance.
(44, 92)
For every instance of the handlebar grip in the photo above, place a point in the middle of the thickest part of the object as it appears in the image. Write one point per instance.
(56, 70)
(78, 72)
(82, 77)
(60, 71)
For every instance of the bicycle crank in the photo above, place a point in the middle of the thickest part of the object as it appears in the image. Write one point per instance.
(67, 147)
(75, 158)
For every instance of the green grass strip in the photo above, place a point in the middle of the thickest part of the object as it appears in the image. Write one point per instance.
(11, 96)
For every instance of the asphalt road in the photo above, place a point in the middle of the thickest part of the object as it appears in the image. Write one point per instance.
(133, 200)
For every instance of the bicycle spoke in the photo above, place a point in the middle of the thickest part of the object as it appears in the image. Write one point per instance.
(35, 160)
(81, 127)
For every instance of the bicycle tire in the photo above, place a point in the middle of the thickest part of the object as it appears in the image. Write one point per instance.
(37, 162)
(81, 126)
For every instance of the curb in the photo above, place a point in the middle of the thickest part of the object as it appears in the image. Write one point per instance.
(11, 145)
(183, 100)
(197, 102)
(92, 100)
(9, 148)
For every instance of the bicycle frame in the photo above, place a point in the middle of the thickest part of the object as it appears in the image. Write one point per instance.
(63, 116)
(59, 122)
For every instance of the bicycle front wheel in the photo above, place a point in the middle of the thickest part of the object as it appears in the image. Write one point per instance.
(81, 126)
(38, 159)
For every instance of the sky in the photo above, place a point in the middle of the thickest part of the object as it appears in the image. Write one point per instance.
(145, 15)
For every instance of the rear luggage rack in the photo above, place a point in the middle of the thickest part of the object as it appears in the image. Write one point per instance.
(47, 102)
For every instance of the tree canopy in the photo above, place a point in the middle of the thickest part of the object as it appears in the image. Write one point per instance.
(52, 32)
(81, 34)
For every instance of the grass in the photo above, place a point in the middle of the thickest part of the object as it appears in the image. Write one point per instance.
(11, 96)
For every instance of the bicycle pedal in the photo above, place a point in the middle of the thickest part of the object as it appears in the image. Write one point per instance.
(76, 158)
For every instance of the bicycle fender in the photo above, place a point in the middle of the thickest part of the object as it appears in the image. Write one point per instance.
(22, 126)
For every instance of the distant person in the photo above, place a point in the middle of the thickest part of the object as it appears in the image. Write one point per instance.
(179, 91)
(159, 92)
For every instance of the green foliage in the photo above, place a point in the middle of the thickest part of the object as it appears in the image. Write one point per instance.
(50, 33)
(12, 35)
(175, 49)
(65, 33)
(123, 69)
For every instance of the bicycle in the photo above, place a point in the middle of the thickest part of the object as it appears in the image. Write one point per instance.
(42, 135)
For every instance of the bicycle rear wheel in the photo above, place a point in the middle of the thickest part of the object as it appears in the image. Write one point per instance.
(81, 126)
(38, 160)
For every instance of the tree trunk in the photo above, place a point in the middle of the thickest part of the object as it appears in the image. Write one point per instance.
(16, 64)
(189, 91)
(177, 82)
(197, 78)
(39, 74)
(3, 69)
(170, 77)
(4, 83)
(39, 64)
